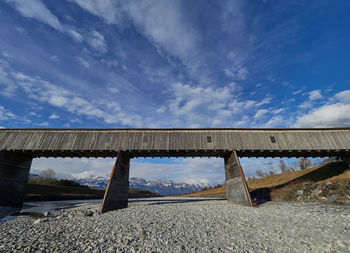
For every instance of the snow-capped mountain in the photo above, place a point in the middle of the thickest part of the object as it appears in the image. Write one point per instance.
(163, 187)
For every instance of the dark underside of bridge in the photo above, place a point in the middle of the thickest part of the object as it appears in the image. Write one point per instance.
(19, 146)
(184, 153)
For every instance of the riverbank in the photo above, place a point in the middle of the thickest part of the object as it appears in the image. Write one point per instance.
(183, 225)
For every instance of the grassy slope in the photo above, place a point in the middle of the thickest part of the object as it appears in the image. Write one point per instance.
(38, 192)
(329, 172)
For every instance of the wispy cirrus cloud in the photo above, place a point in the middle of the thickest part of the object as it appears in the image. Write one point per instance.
(36, 9)
(75, 35)
(45, 92)
(84, 62)
(111, 11)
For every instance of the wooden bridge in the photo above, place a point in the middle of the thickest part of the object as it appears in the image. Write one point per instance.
(19, 146)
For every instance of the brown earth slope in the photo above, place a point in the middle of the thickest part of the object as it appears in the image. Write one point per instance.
(318, 182)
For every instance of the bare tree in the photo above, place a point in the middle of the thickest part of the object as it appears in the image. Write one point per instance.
(283, 166)
(251, 178)
(47, 174)
(260, 173)
(304, 163)
(271, 172)
(293, 165)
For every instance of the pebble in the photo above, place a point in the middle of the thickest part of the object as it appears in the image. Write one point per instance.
(300, 192)
(331, 199)
(180, 225)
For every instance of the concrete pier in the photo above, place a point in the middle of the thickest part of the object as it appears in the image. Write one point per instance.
(236, 185)
(117, 191)
(14, 171)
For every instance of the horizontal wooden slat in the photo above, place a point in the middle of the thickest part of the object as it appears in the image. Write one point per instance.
(177, 142)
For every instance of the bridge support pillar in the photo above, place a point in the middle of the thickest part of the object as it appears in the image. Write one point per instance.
(14, 171)
(117, 191)
(236, 185)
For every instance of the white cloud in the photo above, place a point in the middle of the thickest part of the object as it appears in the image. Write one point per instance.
(260, 113)
(315, 95)
(7, 55)
(58, 101)
(6, 114)
(238, 106)
(111, 11)
(113, 90)
(54, 116)
(239, 73)
(84, 62)
(278, 111)
(197, 104)
(343, 96)
(97, 42)
(42, 124)
(271, 78)
(190, 170)
(298, 91)
(8, 87)
(73, 167)
(36, 9)
(161, 109)
(9, 90)
(334, 114)
(305, 105)
(46, 92)
(164, 24)
(54, 58)
(275, 121)
(265, 101)
(75, 35)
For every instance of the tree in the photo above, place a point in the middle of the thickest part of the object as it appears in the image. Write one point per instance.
(271, 172)
(294, 165)
(283, 166)
(304, 163)
(47, 174)
(260, 173)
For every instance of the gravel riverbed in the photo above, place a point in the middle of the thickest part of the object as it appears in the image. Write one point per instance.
(183, 225)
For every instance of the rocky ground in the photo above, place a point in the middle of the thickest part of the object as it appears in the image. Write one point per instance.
(328, 192)
(183, 225)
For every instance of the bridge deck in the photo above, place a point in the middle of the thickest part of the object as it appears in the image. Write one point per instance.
(177, 142)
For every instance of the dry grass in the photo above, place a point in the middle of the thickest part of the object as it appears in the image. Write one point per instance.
(279, 179)
(329, 172)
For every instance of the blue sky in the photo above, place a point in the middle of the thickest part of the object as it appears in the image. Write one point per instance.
(125, 64)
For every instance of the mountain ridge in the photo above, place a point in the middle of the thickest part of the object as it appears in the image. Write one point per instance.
(163, 187)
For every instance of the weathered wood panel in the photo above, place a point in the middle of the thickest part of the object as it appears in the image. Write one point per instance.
(251, 142)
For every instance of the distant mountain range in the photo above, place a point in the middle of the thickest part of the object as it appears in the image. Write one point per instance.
(163, 187)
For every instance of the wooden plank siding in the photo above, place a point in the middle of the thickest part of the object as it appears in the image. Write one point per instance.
(177, 142)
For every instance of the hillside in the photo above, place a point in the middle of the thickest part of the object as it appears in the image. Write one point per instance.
(333, 178)
(40, 192)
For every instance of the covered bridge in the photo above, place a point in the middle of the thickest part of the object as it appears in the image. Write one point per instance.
(19, 146)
